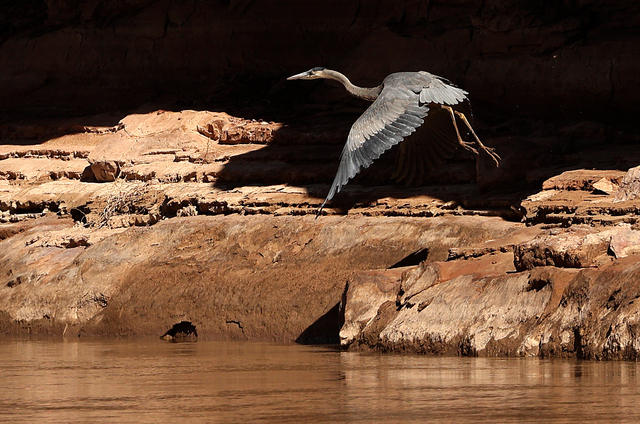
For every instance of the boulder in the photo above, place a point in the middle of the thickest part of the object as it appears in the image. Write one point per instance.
(624, 242)
(366, 292)
(576, 247)
(629, 186)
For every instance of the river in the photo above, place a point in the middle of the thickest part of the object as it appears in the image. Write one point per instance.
(151, 381)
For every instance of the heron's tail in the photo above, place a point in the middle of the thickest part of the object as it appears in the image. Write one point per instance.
(336, 185)
(319, 211)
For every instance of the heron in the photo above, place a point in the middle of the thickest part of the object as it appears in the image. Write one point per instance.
(417, 110)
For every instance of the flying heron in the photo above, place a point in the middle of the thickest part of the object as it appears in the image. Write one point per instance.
(416, 104)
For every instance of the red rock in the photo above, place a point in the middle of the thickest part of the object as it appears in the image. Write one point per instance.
(625, 242)
(276, 275)
(605, 186)
(576, 247)
(141, 256)
(105, 170)
(41, 168)
(366, 292)
(547, 311)
(582, 179)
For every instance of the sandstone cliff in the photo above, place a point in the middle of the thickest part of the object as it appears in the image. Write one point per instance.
(127, 230)
(576, 60)
(155, 167)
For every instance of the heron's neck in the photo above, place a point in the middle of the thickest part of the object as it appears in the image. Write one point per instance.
(360, 92)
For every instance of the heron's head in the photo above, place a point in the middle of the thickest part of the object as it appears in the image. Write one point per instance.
(313, 73)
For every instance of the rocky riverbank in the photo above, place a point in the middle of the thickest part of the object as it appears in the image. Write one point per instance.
(161, 217)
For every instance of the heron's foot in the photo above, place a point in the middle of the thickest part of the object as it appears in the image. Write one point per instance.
(468, 145)
(490, 150)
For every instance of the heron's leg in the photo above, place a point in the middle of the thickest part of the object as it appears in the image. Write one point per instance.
(490, 150)
(463, 143)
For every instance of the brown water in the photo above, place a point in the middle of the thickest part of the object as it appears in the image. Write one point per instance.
(150, 381)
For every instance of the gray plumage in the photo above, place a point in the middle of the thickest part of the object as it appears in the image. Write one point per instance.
(401, 105)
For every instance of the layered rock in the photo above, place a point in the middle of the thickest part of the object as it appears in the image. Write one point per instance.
(567, 290)
(261, 277)
(152, 165)
(485, 306)
(201, 218)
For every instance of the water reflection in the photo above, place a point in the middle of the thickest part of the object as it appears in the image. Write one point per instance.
(150, 381)
(496, 390)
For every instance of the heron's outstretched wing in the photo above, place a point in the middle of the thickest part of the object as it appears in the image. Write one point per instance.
(400, 108)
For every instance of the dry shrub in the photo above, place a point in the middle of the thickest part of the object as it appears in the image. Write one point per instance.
(122, 201)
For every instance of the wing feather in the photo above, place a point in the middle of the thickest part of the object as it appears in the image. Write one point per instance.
(402, 107)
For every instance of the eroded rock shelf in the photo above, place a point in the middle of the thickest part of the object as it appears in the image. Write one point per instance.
(208, 218)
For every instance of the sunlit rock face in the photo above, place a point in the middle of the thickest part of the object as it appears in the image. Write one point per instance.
(555, 60)
(479, 303)
(156, 167)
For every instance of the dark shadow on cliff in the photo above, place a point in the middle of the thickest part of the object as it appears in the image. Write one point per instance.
(551, 59)
(249, 95)
(39, 126)
(305, 152)
(316, 118)
(325, 330)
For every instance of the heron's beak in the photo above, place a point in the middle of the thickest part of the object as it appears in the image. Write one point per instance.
(303, 75)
